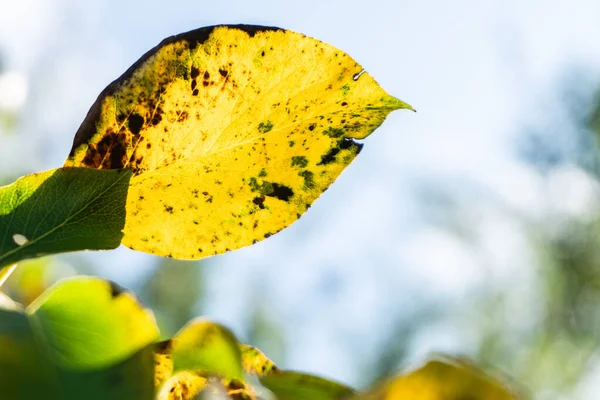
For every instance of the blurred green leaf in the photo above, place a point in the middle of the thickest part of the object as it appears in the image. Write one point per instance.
(90, 323)
(129, 379)
(24, 371)
(84, 338)
(60, 210)
(288, 385)
(33, 277)
(208, 347)
(203, 359)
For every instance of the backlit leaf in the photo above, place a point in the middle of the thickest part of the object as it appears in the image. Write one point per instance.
(65, 209)
(163, 363)
(255, 362)
(232, 132)
(89, 323)
(185, 385)
(442, 380)
(84, 338)
(202, 357)
(288, 385)
(207, 347)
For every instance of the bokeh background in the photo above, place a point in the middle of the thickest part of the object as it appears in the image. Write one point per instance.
(469, 228)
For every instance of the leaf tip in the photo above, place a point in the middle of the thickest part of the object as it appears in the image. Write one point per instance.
(398, 104)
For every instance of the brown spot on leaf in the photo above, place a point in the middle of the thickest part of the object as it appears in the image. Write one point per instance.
(260, 202)
(135, 123)
(115, 290)
(281, 192)
(111, 150)
(329, 157)
(194, 72)
(183, 116)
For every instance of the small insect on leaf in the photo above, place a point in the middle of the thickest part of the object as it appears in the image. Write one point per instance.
(232, 132)
(19, 239)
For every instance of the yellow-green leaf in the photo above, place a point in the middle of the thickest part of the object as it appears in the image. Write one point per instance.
(163, 363)
(84, 339)
(288, 385)
(90, 323)
(255, 362)
(232, 132)
(442, 380)
(207, 347)
(185, 385)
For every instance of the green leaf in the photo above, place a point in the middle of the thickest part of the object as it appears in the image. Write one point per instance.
(288, 385)
(60, 210)
(90, 323)
(128, 380)
(84, 338)
(24, 371)
(207, 347)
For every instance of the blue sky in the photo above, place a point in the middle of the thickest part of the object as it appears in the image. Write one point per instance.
(476, 71)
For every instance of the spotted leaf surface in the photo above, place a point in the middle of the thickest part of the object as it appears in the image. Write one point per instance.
(203, 357)
(231, 132)
(255, 362)
(208, 347)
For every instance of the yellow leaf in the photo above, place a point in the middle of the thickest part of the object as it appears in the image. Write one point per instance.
(441, 380)
(163, 362)
(184, 385)
(232, 132)
(255, 362)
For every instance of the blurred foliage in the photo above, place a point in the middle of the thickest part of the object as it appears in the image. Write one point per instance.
(33, 277)
(84, 337)
(440, 380)
(88, 338)
(559, 347)
(175, 292)
(265, 332)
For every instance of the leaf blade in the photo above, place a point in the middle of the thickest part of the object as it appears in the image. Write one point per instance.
(290, 385)
(89, 323)
(60, 210)
(55, 350)
(207, 347)
(441, 379)
(232, 133)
